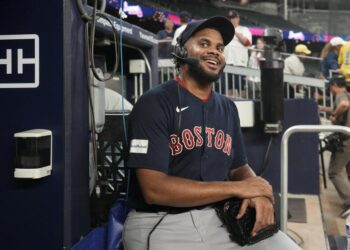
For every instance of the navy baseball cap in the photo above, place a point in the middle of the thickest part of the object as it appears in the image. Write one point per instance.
(339, 80)
(233, 14)
(219, 23)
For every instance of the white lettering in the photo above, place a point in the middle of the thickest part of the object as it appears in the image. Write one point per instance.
(7, 61)
(21, 61)
(149, 38)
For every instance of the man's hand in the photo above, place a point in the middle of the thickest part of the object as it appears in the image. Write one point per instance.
(256, 187)
(332, 118)
(264, 212)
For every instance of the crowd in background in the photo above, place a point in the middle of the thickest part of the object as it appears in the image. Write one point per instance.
(247, 51)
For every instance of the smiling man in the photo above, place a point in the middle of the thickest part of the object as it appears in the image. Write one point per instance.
(187, 153)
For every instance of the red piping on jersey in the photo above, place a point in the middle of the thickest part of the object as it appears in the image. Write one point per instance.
(179, 80)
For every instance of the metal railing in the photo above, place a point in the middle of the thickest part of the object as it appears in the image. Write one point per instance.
(244, 83)
(284, 160)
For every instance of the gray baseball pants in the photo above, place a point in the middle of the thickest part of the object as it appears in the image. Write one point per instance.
(193, 230)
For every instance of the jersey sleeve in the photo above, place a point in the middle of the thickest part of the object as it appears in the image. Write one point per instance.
(238, 146)
(148, 136)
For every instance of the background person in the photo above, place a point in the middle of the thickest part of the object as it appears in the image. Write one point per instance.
(344, 63)
(294, 65)
(340, 159)
(236, 52)
(254, 63)
(184, 19)
(166, 36)
(329, 56)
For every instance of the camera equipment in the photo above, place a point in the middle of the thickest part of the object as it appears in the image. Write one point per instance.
(271, 68)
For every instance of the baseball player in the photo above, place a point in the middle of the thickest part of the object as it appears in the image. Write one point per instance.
(187, 152)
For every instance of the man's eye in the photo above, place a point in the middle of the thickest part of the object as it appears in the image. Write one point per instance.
(204, 45)
(221, 49)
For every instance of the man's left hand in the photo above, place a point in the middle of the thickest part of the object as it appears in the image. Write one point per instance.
(264, 212)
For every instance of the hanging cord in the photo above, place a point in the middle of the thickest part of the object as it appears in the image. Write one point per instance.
(92, 20)
(152, 230)
(92, 113)
(266, 158)
(90, 65)
(84, 15)
(180, 109)
(127, 170)
(92, 44)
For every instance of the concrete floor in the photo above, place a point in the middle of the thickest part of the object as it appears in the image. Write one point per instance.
(322, 217)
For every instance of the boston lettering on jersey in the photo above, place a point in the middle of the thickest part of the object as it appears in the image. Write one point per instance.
(193, 138)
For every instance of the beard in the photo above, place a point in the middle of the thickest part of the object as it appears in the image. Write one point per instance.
(203, 77)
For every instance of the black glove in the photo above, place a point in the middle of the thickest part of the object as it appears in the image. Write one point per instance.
(240, 229)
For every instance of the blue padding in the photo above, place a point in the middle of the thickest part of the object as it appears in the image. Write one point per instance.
(95, 240)
(303, 165)
(117, 216)
(109, 237)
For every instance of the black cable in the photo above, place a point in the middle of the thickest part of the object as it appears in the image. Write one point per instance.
(92, 19)
(266, 158)
(152, 230)
(84, 15)
(180, 110)
(92, 44)
(92, 112)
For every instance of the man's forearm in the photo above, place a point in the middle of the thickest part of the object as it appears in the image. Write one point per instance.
(241, 173)
(245, 41)
(161, 189)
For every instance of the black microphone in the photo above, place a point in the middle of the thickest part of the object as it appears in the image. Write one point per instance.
(188, 60)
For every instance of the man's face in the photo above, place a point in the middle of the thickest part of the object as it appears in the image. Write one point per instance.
(208, 47)
(169, 24)
(235, 21)
(260, 44)
(333, 88)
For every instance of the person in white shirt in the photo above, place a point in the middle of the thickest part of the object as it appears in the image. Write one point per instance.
(254, 62)
(236, 52)
(294, 65)
(184, 19)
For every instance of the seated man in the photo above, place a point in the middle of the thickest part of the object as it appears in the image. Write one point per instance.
(187, 153)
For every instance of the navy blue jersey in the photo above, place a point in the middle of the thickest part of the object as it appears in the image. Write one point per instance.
(174, 132)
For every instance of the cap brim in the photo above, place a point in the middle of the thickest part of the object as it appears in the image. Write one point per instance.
(221, 24)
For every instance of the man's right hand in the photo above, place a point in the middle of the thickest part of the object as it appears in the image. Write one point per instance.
(254, 187)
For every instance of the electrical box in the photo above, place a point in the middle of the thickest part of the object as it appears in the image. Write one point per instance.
(246, 113)
(33, 154)
(137, 66)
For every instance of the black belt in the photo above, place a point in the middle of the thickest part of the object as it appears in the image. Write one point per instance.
(170, 210)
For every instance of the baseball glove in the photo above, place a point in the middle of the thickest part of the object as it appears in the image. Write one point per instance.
(240, 229)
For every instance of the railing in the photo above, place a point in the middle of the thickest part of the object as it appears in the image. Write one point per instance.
(284, 160)
(244, 83)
